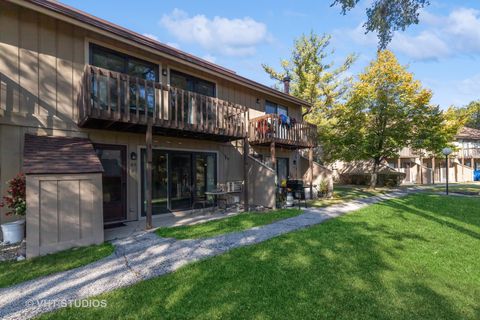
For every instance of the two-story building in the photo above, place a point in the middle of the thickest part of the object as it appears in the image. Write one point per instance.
(463, 163)
(112, 126)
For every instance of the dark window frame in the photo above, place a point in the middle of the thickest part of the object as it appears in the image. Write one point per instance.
(169, 153)
(126, 57)
(195, 81)
(275, 105)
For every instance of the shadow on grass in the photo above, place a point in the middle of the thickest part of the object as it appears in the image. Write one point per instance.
(458, 213)
(374, 264)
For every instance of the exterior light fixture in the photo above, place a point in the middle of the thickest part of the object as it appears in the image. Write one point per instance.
(446, 152)
(133, 156)
(164, 72)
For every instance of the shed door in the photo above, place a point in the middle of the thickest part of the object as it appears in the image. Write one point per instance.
(114, 182)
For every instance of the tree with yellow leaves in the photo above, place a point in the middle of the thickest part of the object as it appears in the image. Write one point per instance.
(387, 110)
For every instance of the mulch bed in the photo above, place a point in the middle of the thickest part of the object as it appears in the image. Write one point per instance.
(11, 251)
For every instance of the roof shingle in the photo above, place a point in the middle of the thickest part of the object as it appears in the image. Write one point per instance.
(468, 133)
(55, 155)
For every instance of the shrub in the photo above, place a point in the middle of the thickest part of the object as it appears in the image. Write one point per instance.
(323, 188)
(15, 198)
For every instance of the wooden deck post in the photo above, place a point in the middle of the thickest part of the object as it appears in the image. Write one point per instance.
(272, 155)
(421, 170)
(274, 167)
(433, 170)
(148, 189)
(245, 175)
(310, 166)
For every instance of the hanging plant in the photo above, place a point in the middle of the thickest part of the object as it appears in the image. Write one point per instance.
(15, 198)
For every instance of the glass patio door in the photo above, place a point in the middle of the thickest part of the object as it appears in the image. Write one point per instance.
(205, 173)
(180, 181)
(179, 178)
(159, 182)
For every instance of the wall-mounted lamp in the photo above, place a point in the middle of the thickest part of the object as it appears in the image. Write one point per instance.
(258, 100)
(294, 162)
(164, 72)
(133, 156)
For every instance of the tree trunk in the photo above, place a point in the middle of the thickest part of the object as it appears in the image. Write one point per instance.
(374, 177)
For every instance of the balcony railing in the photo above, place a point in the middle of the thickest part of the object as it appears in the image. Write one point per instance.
(121, 102)
(469, 153)
(269, 128)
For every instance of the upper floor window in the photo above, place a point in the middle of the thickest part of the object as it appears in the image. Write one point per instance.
(191, 83)
(115, 61)
(273, 108)
(118, 62)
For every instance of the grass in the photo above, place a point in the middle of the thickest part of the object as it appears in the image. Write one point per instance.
(235, 223)
(13, 272)
(348, 192)
(454, 187)
(415, 257)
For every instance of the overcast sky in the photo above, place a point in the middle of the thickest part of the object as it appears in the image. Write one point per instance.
(443, 51)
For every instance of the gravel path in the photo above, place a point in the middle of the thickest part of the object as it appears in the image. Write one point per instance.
(144, 256)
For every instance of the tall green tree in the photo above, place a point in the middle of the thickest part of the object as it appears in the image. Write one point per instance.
(473, 114)
(387, 16)
(315, 79)
(387, 110)
(312, 78)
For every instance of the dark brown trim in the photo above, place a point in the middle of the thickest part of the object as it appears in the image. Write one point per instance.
(104, 25)
(124, 177)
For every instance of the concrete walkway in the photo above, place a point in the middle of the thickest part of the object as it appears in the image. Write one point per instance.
(144, 255)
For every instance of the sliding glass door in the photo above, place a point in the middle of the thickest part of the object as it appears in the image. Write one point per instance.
(180, 181)
(179, 178)
(159, 182)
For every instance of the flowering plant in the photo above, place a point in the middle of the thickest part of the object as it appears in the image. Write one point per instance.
(15, 198)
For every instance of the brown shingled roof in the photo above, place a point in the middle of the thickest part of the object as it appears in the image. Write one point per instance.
(468, 133)
(55, 155)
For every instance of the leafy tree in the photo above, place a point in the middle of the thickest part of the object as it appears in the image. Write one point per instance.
(311, 77)
(473, 114)
(387, 110)
(387, 16)
(318, 82)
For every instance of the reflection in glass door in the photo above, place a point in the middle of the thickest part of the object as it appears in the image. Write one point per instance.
(159, 182)
(180, 181)
(179, 178)
(205, 173)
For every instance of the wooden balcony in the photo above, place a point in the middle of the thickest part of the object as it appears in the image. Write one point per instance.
(115, 101)
(469, 153)
(268, 128)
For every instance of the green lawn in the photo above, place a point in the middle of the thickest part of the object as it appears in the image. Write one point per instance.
(416, 257)
(13, 272)
(239, 222)
(459, 187)
(343, 193)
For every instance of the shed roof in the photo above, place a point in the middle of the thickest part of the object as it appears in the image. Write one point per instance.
(57, 155)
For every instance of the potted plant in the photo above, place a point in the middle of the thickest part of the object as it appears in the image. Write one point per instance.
(13, 232)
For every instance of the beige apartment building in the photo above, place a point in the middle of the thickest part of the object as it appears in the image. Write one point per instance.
(111, 126)
(463, 163)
